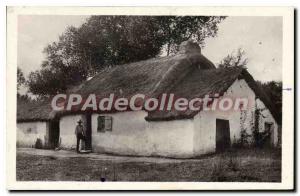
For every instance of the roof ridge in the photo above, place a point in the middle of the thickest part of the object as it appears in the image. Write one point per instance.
(104, 70)
(176, 73)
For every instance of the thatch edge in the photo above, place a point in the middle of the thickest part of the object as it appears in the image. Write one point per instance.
(32, 120)
(244, 74)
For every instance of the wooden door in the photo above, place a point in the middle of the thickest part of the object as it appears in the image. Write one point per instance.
(53, 134)
(88, 139)
(222, 135)
(269, 132)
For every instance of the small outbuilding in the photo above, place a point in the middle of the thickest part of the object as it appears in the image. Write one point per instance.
(36, 124)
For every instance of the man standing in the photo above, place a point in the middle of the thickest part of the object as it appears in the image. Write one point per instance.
(79, 132)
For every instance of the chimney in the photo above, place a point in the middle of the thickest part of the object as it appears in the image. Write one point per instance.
(189, 47)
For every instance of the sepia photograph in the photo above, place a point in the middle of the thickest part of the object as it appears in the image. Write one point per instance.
(189, 97)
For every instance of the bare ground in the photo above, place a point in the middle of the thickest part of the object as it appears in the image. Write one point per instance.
(247, 165)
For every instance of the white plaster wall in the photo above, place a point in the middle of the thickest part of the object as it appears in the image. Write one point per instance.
(240, 119)
(132, 135)
(67, 125)
(266, 116)
(205, 121)
(25, 139)
(171, 138)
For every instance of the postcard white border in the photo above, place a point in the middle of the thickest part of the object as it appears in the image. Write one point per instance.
(288, 97)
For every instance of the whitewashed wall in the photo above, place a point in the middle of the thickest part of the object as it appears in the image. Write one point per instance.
(28, 139)
(266, 116)
(132, 135)
(205, 121)
(67, 125)
(172, 138)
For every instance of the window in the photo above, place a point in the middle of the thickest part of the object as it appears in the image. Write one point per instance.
(104, 123)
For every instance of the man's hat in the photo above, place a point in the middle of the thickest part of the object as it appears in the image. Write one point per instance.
(80, 121)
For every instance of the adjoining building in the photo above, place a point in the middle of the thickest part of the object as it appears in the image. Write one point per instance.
(36, 124)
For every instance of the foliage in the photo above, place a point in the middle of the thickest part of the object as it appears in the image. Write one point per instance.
(273, 90)
(177, 29)
(105, 41)
(234, 59)
(50, 82)
(38, 144)
(245, 139)
(218, 173)
(23, 98)
(20, 78)
(234, 162)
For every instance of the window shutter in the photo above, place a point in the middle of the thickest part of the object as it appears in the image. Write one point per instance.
(104, 123)
(108, 123)
(101, 124)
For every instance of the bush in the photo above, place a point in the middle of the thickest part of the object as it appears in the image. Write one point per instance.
(233, 163)
(218, 171)
(38, 143)
(244, 141)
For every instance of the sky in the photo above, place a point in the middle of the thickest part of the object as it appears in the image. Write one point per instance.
(36, 32)
(259, 37)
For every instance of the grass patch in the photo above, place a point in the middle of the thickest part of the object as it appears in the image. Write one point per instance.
(247, 165)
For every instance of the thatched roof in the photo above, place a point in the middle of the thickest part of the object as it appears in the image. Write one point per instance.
(146, 77)
(199, 83)
(187, 74)
(30, 110)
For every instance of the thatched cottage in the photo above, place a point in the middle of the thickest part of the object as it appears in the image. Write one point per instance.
(162, 133)
(36, 124)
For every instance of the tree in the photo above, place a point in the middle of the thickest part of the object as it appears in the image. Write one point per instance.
(234, 59)
(177, 29)
(273, 90)
(105, 41)
(20, 78)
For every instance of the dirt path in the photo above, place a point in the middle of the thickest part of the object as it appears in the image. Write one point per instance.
(96, 156)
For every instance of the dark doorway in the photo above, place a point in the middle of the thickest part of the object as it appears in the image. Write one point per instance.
(268, 135)
(88, 139)
(222, 135)
(53, 134)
